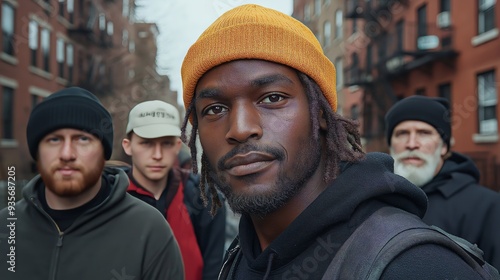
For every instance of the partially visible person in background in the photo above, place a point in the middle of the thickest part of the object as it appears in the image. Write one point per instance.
(184, 158)
(232, 219)
(153, 144)
(76, 220)
(419, 134)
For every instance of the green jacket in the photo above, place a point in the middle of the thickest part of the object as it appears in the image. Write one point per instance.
(121, 238)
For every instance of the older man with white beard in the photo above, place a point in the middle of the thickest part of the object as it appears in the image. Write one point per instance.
(418, 134)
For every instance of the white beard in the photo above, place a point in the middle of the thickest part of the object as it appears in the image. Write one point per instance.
(419, 176)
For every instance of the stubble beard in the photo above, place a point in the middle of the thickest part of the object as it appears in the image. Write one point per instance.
(282, 190)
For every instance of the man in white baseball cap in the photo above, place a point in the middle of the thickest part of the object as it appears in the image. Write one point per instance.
(153, 143)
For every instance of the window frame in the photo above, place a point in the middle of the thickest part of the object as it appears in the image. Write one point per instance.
(8, 40)
(339, 24)
(7, 114)
(484, 7)
(486, 86)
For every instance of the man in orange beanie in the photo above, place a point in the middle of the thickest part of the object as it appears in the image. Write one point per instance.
(260, 94)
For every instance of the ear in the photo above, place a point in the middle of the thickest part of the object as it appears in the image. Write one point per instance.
(322, 120)
(444, 149)
(126, 144)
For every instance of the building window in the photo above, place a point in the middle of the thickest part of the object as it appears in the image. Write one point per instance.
(354, 25)
(110, 28)
(487, 103)
(444, 91)
(368, 119)
(45, 42)
(422, 21)
(69, 61)
(70, 7)
(382, 49)
(125, 37)
(131, 46)
(420, 91)
(317, 7)
(486, 15)
(7, 113)
(445, 6)
(34, 100)
(60, 56)
(354, 112)
(400, 35)
(339, 72)
(327, 33)
(61, 8)
(8, 28)
(126, 8)
(338, 24)
(102, 22)
(33, 41)
(369, 58)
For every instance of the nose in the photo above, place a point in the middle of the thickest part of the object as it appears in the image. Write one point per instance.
(244, 123)
(67, 151)
(413, 142)
(157, 151)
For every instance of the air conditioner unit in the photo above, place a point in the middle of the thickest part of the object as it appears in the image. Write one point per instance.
(444, 20)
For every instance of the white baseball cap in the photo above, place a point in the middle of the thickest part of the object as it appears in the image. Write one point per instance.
(153, 119)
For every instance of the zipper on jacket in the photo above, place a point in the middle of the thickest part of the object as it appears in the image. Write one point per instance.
(229, 264)
(55, 259)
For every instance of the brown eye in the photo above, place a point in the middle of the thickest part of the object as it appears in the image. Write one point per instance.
(273, 98)
(214, 110)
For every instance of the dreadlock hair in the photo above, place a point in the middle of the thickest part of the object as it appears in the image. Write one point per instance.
(342, 139)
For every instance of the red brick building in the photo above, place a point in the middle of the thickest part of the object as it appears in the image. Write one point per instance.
(448, 48)
(47, 45)
(325, 18)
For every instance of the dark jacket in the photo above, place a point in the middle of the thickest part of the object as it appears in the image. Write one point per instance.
(121, 238)
(459, 205)
(305, 249)
(200, 236)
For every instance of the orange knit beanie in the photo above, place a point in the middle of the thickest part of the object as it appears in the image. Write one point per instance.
(255, 32)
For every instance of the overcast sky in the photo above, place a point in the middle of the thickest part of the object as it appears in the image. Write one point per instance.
(181, 22)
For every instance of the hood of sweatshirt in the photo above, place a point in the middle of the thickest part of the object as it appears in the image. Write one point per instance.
(371, 179)
(458, 171)
(118, 183)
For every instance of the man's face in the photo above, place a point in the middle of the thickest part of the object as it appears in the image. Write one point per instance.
(255, 129)
(152, 157)
(417, 149)
(70, 161)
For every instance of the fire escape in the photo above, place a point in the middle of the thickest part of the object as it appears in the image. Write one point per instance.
(91, 31)
(392, 50)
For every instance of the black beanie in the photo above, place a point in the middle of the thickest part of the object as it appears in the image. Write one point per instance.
(70, 108)
(432, 110)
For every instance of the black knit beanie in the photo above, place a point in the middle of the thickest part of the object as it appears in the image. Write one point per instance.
(70, 108)
(432, 110)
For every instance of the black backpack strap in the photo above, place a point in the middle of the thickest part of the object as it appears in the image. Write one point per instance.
(388, 232)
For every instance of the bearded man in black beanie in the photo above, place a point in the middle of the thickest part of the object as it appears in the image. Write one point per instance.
(418, 134)
(76, 220)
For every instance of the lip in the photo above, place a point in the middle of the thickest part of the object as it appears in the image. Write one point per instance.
(249, 163)
(412, 160)
(67, 171)
(156, 168)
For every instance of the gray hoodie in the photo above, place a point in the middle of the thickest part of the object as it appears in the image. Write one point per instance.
(121, 238)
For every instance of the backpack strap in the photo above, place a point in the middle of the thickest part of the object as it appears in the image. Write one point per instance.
(388, 232)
